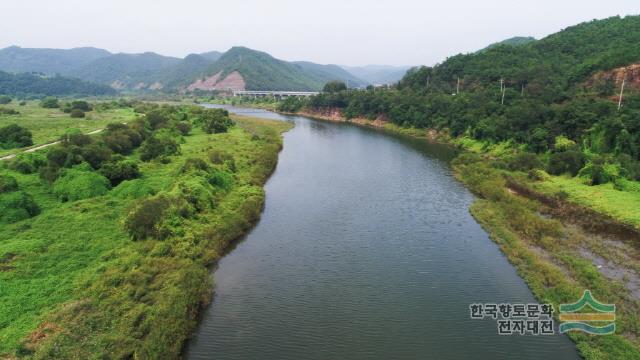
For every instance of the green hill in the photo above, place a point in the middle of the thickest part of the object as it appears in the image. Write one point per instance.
(262, 71)
(514, 41)
(325, 73)
(48, 61)
(548, 93)
(378, 74)
(125, 70)
(24, 84)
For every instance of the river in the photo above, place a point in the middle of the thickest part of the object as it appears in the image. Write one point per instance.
(365, 250)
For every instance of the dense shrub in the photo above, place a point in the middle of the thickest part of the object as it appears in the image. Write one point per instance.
(145, 218)
(8, 184)
(77, 113)
(192, 164)
(156, 146)
(183, 127)
(196, 191)
(4, 111)
(218, 156)
(4, 99)
(334, 86)
(119, 171)
(78, 104)
(75, 137)
(132, 189)
(524, 162)
(16, 206)
(13, 136)
(121, 138)
(598, 171)
(566, 162)
(215, 121)
(80, 183)
(221, 179)
(27, 163)
(96, 154)
(156, 119)
(64, 156)
(49, 103)
(538, 175)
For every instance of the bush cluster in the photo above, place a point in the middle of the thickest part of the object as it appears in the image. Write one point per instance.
(15, 136)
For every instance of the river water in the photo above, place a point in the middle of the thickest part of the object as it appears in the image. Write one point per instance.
(365, 250)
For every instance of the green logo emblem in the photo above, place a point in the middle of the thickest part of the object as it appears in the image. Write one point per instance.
(573, 320)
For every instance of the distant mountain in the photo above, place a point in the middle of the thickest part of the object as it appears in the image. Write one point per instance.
(211, 55)
(242, 68)
(48, 61)
(324, 73)
(35, 84)
(514, 41)
(238, 68)
(125, 70)
(378, 74)
(170, 78)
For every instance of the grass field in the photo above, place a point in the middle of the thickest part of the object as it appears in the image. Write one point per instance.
(621, 205)
(74, 284)
(47, 125)
(548, 256)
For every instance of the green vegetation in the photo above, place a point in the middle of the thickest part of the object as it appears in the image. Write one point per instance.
(48, 125)
(27, 84)
(122, 273)
(531, 118)
(334, 87)
(14, 136)
(536, 98)
(547, 254)
(514, 41)
(261, 71)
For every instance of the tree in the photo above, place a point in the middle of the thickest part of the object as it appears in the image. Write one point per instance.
(8, 184)
(215, 121)
(4, 99)
(145, 218)
(50, 103)
(334, 86)
(13, 136)
(119, 171)
(80, 183)
(77, 113)
(16, 206)
(156, 146)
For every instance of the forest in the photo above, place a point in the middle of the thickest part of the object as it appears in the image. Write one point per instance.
(539, 96)
(32, 84)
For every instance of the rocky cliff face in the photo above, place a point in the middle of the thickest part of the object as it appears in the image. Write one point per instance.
(233, 81)
(630, 73)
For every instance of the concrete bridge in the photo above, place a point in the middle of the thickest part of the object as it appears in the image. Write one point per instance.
(277, 94)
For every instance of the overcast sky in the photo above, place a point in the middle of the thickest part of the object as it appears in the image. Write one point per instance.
(350, 32)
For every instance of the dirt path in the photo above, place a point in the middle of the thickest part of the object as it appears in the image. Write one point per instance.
(36, 148)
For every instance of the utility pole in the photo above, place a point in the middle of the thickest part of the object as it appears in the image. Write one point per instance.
(458, 86)
(504, 89)
(622, 91)
(522, 91)
(428, 77)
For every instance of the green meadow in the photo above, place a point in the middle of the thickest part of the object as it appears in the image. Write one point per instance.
(77, 284)
(47, 125)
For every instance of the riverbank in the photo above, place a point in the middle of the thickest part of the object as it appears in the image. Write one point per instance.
(76, 286)
(553, 251)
